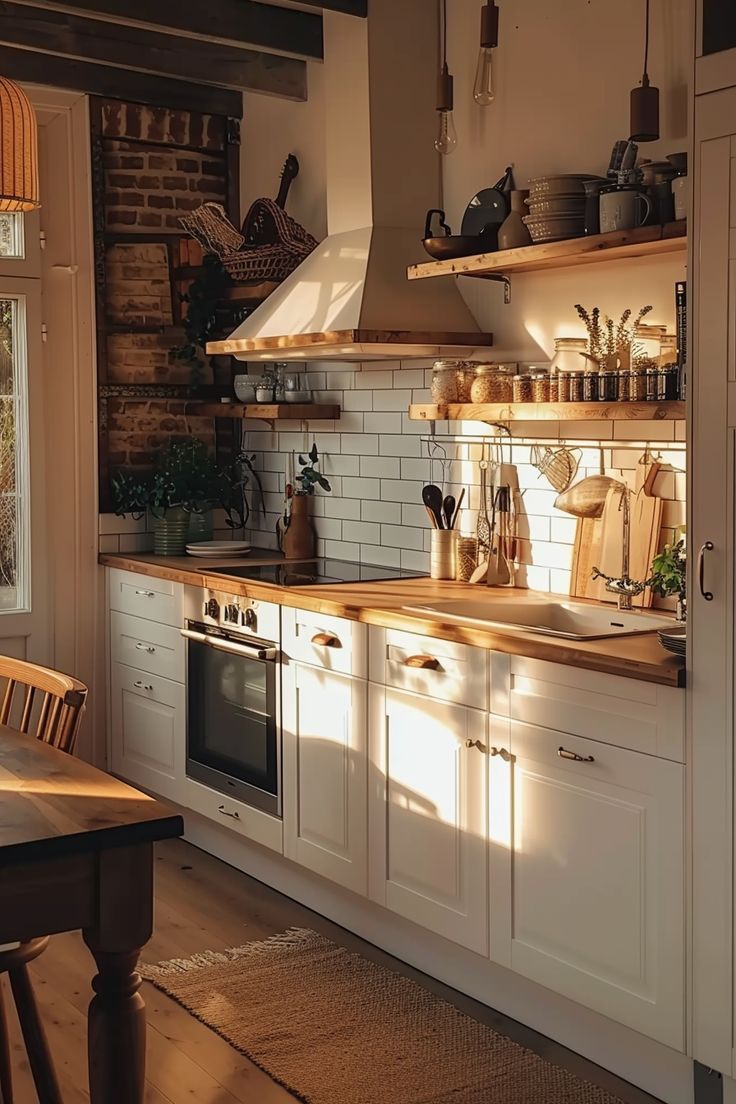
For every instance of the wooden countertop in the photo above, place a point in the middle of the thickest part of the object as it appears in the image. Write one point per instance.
(380, 603)
(55, 805)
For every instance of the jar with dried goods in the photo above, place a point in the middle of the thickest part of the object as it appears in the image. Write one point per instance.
(444, 382)
(540, 387)
(522, 388)
(465, 376)
(492, 384)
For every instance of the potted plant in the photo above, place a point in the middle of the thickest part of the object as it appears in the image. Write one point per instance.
(300, 538)
(185, 483)
(669, 575)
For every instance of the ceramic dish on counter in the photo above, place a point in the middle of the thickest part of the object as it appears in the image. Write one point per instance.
(216, 549)
(674, 640)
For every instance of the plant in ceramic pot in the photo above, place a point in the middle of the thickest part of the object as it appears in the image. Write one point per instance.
(669, 575)
(300, 538)
(185, 483)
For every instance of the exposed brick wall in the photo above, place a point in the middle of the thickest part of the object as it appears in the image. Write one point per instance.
(147, 188)
(138, 285)
(163, 125)
(139, 429)
(144, 358)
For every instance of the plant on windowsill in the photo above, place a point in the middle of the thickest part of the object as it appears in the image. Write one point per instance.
(300, 538)
(669, 575)
(184, 487)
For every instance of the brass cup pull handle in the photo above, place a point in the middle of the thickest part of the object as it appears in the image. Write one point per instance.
(573, 755)
(223, 810)
(423, 662)
(146, 593)
(707, 547)
(326, 640)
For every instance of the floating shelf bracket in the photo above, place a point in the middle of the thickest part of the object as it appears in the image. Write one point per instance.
(500, 278)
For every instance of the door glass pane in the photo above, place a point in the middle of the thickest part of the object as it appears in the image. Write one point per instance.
(719, 26)
(11, 234)
(13, 458)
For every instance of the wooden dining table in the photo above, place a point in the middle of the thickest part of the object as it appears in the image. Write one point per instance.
(76, 852)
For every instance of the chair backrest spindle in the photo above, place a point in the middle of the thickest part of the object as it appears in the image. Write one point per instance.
(61, 706)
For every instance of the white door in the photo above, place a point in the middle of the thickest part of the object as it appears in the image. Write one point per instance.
(712, 279)
(596, 845)
(325, 773)
(427, 813)
(147, 730)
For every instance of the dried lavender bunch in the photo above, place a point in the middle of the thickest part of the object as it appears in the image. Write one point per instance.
(593, 326)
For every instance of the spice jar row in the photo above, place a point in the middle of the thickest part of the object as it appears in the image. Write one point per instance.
(480, 384)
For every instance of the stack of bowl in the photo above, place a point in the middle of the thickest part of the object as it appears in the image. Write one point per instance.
(556, 207)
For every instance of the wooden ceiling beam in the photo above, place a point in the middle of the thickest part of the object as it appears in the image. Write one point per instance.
(237, 22)
(349, 7)
(61, 34)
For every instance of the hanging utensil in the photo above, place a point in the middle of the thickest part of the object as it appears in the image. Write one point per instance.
(456, 512)
(432, 499)
(558, 466)
(587, 497)
(483, 527)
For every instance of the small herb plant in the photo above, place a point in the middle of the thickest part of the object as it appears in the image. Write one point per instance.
(309, 478)
(607, 338)
(669, 571)
(185, 476)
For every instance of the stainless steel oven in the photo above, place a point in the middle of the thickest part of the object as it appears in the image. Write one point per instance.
(233, 703)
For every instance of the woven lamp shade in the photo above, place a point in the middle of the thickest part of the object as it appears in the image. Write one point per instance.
(18, 150)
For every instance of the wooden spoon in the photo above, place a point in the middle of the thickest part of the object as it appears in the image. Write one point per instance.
(432, 499)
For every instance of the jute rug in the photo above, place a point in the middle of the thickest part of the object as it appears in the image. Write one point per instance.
(334, 1028)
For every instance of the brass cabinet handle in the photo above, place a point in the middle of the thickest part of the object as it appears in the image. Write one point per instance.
(505, 755)
(424, 662)
(223, 810)
(326, 640)
(707, 547)
(146, 593)
(475, 744)
(573, 755)
(145, 648)
(139, 685)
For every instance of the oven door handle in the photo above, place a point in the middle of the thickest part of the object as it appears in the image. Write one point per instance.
(221, 645)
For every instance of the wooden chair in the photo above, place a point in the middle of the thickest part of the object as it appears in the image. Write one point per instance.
(48, 706)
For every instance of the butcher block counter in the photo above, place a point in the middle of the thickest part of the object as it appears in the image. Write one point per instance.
(380, 603)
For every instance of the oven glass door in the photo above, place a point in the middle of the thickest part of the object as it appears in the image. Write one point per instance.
(232, 735)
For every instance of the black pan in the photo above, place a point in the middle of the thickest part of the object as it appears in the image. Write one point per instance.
(450, 246)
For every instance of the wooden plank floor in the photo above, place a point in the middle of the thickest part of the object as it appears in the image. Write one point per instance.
(203, 904)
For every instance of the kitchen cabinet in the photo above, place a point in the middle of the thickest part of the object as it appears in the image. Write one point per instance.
(587, 874)
(147, 730)
(715, 62)
(427, 813)
(324, 717)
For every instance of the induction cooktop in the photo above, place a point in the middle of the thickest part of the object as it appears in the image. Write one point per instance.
(316, 572)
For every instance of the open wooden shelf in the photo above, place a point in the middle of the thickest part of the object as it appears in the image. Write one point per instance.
(269, 412)
(644, 241)
(549, 412)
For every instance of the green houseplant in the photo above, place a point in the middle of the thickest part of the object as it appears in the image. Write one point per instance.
(300, 538)
(669, 575)
(185, 483)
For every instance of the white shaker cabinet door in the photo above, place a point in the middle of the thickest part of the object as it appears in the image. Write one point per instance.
(148, 730)
(427, 814)
(324, 718)
(596, 847)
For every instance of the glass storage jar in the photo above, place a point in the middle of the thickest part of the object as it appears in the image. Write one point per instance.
(622, 385)
(465, 375)
(637, 385)
(444, 381)
(576, 386)
(554, 387)
(568, 352)
(522, 388)
(563, 386)
(590, 386)
(608, 386)
(540, 387)
(492, 383)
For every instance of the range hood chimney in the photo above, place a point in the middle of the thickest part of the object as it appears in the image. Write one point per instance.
(350, 299)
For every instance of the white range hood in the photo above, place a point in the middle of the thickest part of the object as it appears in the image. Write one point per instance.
(350, 299)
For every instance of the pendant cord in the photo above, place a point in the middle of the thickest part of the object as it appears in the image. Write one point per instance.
(646, 42)
(444, 32)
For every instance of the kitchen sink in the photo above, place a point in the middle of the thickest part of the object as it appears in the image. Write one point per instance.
(572, 620)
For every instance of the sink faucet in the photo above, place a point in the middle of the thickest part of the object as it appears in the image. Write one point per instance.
(625, 588)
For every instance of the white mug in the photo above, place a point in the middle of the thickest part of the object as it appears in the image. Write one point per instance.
(623, 209)
(681, 192)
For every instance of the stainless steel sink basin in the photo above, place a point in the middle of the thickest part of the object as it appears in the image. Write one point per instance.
(553, 617)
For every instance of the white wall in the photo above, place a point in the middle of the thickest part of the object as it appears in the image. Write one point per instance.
(273, 128)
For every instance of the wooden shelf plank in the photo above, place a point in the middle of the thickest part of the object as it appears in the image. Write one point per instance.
(549, 412)
(269, 412)
(644, 241)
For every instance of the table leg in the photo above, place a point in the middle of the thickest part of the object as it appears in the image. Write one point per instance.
(117, 1016)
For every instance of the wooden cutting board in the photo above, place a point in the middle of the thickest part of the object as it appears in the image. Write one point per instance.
(610, 557)
(646, 522)
(585, 557)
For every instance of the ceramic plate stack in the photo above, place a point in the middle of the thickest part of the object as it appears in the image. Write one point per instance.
(674, 639)
(218, 549)
(556, 207)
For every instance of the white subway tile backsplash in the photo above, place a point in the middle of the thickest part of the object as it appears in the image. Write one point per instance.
(373, 380)
(364, 532)
(377, 554)
(361, 488)
(361, 444)
(382, 422)
(383, 467)
(389, 512)
(401, 536)
(392, 400)
(357, 400)
(399, 445)
(342, 550)
(346, 508)
(401, 490)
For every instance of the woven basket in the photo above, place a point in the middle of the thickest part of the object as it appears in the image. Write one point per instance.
(271, 246)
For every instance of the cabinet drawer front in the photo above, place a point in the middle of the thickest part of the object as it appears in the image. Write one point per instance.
(625, 712)
(148, 730)
(437, 668)
(334, 643)
(233, 815)
(155, 649)
(596, 837)
(154, 599)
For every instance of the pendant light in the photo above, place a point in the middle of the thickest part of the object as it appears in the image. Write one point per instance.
(446, 139)
(483, 93)
(18, 150)
(645, 101)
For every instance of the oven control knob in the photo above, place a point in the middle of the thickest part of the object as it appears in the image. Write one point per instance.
(231, 613)
(250, 618)
(212, 608)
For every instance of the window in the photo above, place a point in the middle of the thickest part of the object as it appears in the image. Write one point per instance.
(14, 475)
(12, 244)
